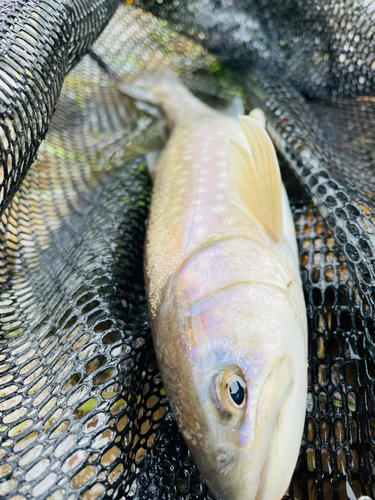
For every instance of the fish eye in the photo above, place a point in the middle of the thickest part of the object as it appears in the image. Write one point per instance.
(237, 392)
(229, 393)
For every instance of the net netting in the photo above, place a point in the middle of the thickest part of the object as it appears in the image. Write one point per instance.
(83, 413)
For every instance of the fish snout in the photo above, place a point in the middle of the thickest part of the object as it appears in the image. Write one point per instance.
(279, 383)
(270, 446)
(249, 465)
(253, 458)
(263, 417)
(264, 403)
(286, 394)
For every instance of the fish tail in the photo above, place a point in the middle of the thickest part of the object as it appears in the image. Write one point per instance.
(146, 87)
(151, 87)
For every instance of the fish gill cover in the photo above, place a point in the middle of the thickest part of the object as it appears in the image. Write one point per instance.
(83, 412)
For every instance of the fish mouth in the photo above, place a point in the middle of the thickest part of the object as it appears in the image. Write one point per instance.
(280, 370)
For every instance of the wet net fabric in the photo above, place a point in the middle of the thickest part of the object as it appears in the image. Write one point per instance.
(40, 41)
(83, 413)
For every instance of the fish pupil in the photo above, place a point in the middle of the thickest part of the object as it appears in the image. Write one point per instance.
(237, 393)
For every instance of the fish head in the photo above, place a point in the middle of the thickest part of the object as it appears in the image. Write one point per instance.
(236, 376)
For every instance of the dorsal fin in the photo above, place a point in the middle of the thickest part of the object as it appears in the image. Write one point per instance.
(257, 176)
(235, 108)
(258, 115)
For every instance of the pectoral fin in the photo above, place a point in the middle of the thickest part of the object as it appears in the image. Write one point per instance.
(256, 176)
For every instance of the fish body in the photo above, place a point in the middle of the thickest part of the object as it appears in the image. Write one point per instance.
(225, 300)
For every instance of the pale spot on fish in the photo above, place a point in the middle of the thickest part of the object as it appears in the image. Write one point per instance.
(219, 209)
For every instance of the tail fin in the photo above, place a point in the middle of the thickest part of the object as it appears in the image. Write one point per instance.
(143, 87)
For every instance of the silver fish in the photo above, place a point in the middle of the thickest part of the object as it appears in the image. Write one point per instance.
(225, 300)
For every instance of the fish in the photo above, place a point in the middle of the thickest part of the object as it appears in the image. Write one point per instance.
(225, 300)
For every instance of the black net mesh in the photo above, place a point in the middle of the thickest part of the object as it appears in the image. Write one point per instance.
(40, 40)
(83, 412)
